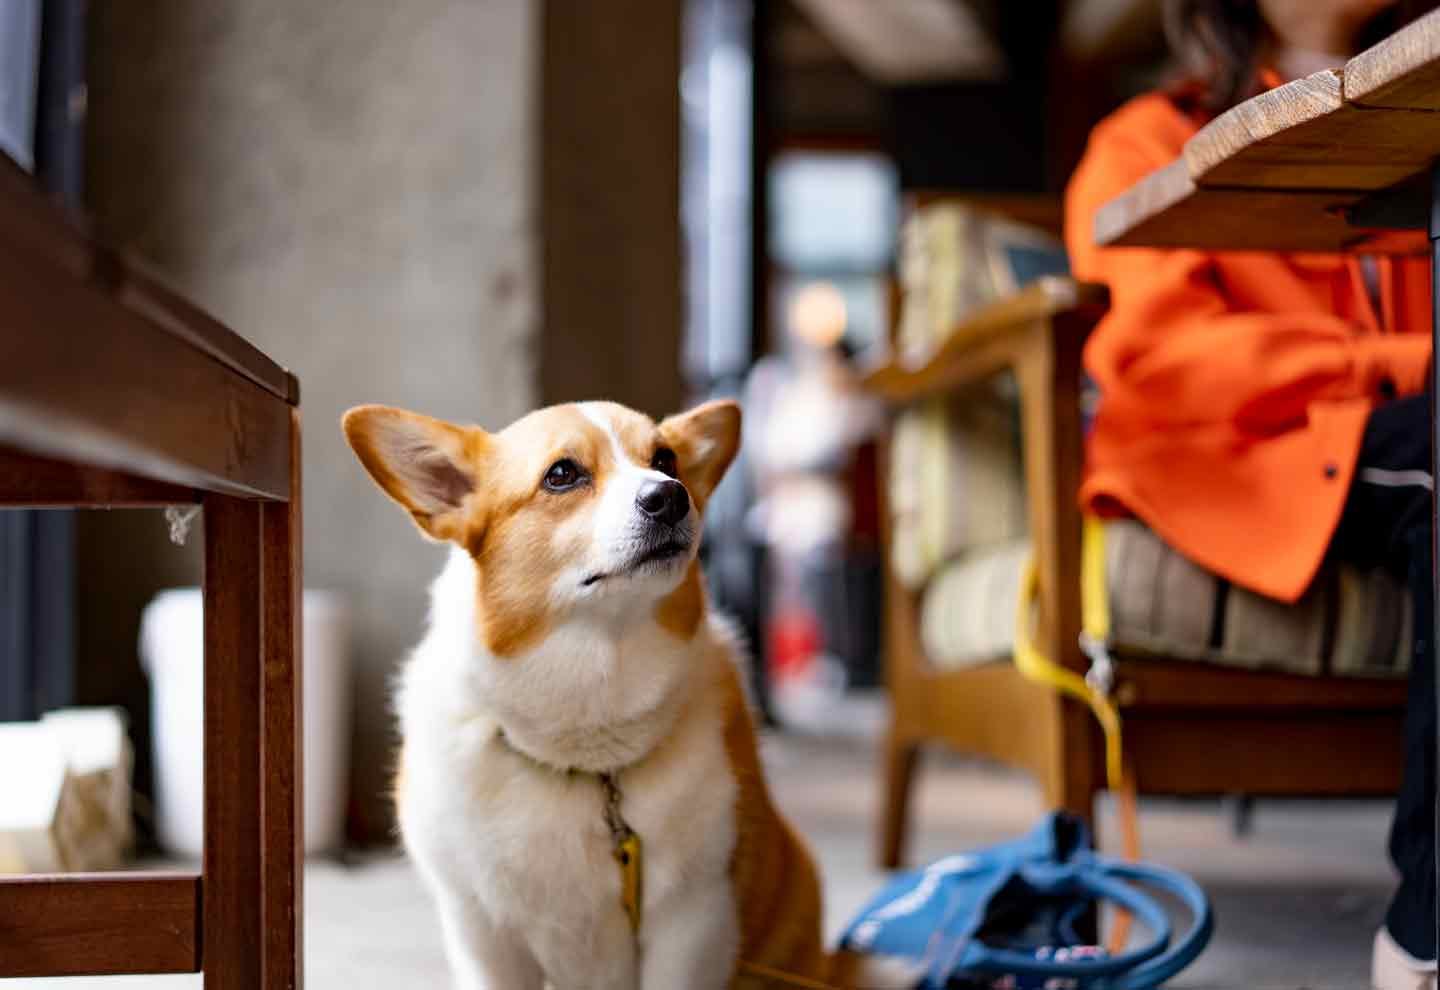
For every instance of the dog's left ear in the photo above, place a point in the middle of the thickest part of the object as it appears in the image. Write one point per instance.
(705, 440)
(427, 465)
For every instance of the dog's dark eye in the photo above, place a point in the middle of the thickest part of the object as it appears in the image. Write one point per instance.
(563, 474)
(664, 462)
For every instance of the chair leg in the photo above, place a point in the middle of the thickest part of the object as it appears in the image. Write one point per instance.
(1075, 768)
(1077, 796)
(899, 769)
(231, 891)
(1241, 808)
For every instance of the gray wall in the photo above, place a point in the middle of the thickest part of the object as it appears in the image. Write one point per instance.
(350, 186)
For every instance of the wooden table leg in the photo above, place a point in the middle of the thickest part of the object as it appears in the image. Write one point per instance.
(282, 834)
(231, 890)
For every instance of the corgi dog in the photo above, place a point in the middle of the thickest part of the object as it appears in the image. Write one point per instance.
(579, 784)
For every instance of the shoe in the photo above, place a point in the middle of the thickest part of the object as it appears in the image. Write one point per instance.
(1392, 968)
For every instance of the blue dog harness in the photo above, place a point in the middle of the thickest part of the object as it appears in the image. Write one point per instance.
(1007, 917)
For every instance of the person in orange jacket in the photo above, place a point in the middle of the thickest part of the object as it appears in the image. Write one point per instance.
(1261, 411)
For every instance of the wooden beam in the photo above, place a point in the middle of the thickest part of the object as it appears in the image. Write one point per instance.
(1239, 141)
(147, 295)
(102, 366)
(38, 482)
(282, 805)
(1281, 170)
(38, 227)
(1303, 135)
(1240, 220)
(86, 380)
(1154, 684)
(234, 707)
(99, 924)
(608, 184)
(1335, 753)
(1167, 209)
(1402, 72)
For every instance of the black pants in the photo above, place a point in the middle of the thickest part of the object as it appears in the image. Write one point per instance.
(1386, 523)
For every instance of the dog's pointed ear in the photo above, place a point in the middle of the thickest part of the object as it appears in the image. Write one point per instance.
(425, 464)
(705, 440)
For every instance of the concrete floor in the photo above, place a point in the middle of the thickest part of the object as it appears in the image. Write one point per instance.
(1297, 901)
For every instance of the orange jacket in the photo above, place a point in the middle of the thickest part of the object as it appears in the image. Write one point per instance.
(1234, 385)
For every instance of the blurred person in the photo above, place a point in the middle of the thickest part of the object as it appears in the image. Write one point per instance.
(805, 417)
(1261, 411)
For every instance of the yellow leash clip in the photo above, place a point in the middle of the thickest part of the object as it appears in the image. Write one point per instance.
(629, 852)
(1096, 621)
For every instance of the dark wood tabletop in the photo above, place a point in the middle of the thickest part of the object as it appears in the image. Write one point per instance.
(102, 365)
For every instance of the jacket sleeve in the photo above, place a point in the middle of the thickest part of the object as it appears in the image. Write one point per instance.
(1176, 350)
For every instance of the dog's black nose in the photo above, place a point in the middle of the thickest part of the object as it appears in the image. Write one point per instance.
(664, 501)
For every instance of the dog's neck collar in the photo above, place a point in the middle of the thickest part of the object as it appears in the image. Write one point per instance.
(549, 766)
(625, 844)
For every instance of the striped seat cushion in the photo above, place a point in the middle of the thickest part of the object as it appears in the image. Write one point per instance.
(1350, 622)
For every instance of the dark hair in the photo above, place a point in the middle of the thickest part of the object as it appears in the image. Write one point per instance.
(1221, 41)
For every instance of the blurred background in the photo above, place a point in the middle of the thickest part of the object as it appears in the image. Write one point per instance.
(476, 207)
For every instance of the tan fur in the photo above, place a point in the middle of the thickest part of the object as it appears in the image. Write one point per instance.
(510, 528)
(777, 886)
(680, 611)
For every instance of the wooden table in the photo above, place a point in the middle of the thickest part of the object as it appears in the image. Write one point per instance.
(114, 392)
(1339, 160)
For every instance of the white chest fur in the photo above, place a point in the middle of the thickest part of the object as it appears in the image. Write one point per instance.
(519, 858)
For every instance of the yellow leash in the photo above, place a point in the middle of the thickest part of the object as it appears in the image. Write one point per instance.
(1095, 618)
(1093, 689)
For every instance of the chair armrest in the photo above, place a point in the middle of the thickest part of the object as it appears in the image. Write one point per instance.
(993, 337)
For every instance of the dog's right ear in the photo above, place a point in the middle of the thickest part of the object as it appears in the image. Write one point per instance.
(425, 464)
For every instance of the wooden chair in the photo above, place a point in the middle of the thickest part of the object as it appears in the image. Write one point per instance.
(114, 392)
(1190, 728)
